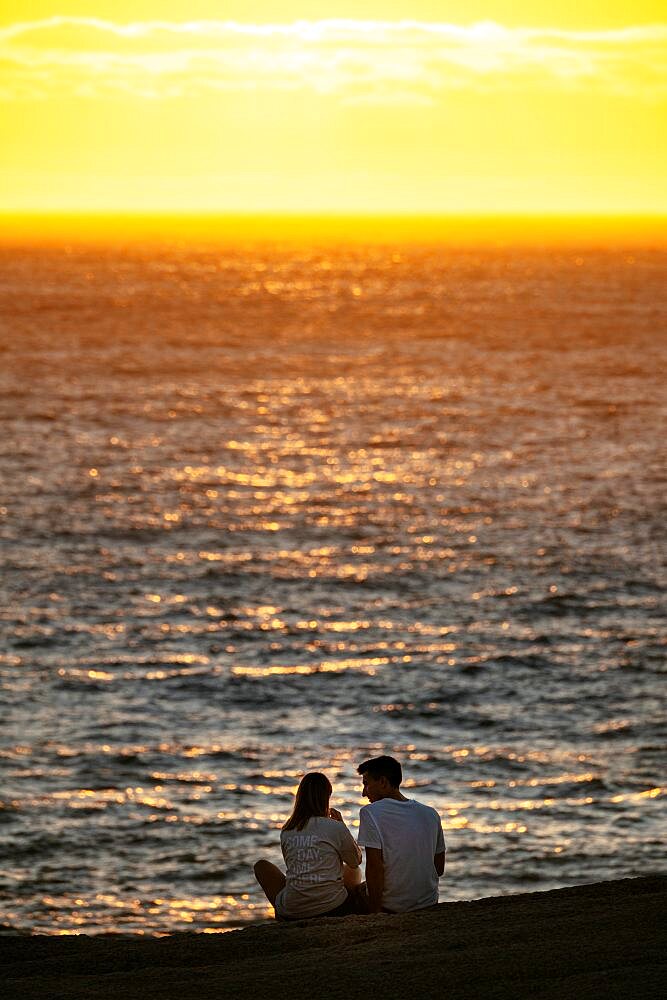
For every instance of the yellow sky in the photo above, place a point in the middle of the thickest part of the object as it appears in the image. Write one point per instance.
(342, 107)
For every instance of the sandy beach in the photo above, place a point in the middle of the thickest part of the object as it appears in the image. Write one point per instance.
(601, 940)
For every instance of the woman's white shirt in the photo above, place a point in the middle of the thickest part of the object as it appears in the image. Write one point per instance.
(314, 858)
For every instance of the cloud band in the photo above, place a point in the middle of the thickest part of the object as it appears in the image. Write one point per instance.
(345, 58)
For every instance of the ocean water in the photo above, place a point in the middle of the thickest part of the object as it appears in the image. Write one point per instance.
(272, 508)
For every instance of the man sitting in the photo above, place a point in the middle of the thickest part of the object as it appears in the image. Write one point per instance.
(405, 846)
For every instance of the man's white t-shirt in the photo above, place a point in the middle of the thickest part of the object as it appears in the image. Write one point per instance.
(409, 834)
(314, 858)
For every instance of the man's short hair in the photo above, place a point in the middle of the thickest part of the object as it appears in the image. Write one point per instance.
(383, 767)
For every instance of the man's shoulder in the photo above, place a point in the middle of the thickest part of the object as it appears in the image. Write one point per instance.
(424, 805)
(393, 806)
(375, 808)
(427, 810)
(371, 817)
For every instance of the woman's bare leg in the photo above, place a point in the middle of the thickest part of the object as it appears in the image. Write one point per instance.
(270, 878)
(351, 876)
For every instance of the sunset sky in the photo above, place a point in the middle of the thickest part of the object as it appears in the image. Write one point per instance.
(417, 106)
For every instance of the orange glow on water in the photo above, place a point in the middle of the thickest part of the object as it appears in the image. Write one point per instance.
(211, 544)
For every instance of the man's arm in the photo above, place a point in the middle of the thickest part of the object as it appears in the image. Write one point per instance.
(374, 878)
(439, 862)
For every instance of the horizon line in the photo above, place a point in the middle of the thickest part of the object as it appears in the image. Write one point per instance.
(497, 228)
(324, 214)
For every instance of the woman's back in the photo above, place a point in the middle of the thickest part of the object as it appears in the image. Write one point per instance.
(314, 857)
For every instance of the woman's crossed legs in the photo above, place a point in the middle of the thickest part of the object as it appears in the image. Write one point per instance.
(272, 879)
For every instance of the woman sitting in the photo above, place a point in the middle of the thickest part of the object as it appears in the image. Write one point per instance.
(321, 856)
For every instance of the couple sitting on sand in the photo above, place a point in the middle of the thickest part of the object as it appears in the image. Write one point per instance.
(405, 851)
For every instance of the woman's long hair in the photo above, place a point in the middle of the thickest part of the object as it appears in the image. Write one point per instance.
(312, 799)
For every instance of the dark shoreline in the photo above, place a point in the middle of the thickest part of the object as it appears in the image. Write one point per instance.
(602, 941)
